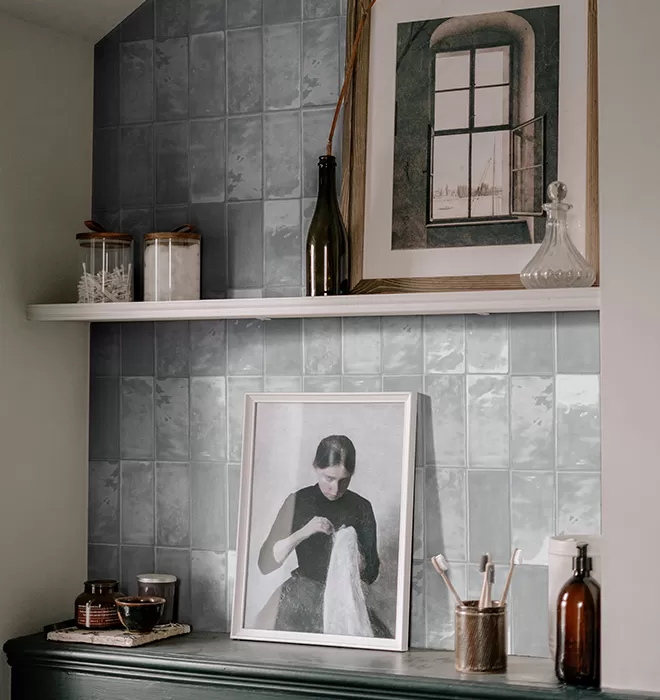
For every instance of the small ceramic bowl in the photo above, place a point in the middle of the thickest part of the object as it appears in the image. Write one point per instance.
(140, 613)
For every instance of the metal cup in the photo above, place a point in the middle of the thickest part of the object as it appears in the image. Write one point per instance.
(480, 638)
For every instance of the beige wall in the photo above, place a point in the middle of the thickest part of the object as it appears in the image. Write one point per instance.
(630, 323)
(45, 164)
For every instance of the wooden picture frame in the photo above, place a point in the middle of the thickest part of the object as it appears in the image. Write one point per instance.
(354, 172)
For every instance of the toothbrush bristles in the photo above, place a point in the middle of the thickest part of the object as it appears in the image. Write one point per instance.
(518, 557)
(483, 563)
(491, 574)
(441, 562)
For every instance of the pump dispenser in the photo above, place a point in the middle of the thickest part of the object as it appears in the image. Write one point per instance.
(578, 626)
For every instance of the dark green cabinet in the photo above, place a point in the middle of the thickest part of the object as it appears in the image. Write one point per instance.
(212, 667)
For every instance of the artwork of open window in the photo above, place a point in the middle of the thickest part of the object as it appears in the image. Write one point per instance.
(489, 109)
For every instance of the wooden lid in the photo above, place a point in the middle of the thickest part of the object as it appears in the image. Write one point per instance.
(104, 236)
(176, 237)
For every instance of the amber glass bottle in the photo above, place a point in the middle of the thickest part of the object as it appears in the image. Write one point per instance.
(328, 272)
(578, 626)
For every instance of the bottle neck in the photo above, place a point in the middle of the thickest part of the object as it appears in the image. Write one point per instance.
(328, 179)
(557, 223)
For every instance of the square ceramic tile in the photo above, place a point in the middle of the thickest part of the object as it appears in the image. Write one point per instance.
(488, 421)
(445, 527)
(172, 419)
(444, 338)
(320, 63)
(578, 422)
(402, 345)
(532, 343)
(578, 343)
(245, 228)
(282, 51)
(209, 591)
(444, 420)
(532, 423)
(207, 75)
(245, 159)
(322, 340)
(487, 344)
(245, 70)
(137, 418)
(284, 347)
(283, 237)
(171, 79)
(244, 13)
(207, 15)
(208, 348)
(440, 606)
(208, 415)
(137, 82)
(172, 504)
(208, 498)
(135, 560)
(246, 347)
(207, 160)
(282, 147)
(362, 346)
(103, 510)
(172, 18)
(490, 514)
(172, 349)
(532, 514)
(137, 503)
(578, 504)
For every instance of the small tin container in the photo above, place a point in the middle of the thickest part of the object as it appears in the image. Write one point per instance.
(160, 586)
(480, 638)
(95, 607)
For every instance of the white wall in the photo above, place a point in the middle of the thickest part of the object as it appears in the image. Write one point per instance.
(45, 174)
(630, 323)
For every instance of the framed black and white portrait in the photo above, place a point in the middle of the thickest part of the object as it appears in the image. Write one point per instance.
(325, 527)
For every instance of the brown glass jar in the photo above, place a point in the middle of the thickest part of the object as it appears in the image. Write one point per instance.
(95, 608)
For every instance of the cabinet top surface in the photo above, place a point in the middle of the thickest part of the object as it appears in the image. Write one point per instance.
(214, 656)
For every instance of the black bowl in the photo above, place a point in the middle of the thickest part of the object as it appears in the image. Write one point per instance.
(140, 613)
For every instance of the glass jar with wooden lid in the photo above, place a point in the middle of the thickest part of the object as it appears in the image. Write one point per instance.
(106, 266)
(172, 265)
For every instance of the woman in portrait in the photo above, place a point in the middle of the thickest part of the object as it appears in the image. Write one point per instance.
(306, 524)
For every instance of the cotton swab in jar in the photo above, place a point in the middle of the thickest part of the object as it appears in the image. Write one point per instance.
(441, 566)
(516, 560)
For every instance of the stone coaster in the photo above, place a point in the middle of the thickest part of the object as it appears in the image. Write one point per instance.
(117, 638)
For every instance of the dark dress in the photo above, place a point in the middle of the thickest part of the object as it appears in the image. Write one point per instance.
(301, 599)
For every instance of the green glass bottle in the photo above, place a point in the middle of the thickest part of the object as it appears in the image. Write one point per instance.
(328, 254)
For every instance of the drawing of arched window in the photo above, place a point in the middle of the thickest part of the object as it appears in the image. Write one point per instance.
(486, 143)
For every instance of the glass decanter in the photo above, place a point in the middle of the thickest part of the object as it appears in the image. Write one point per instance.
(558, 262)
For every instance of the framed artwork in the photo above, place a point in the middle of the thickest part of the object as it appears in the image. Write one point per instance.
(460, 114)
(325, 526)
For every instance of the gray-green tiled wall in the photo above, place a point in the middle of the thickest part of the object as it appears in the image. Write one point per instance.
(214, 112)
(508, 451)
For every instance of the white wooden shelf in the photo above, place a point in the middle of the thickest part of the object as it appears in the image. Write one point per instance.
(513, 301)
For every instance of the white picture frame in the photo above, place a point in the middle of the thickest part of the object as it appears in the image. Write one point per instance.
(284, 434)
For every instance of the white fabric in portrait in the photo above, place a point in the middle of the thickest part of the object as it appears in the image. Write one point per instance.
(344, 605)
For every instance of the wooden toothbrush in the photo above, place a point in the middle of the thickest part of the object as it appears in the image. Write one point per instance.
(516, 560)
(488, 570)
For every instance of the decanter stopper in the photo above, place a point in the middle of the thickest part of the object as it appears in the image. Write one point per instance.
(558, 263)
